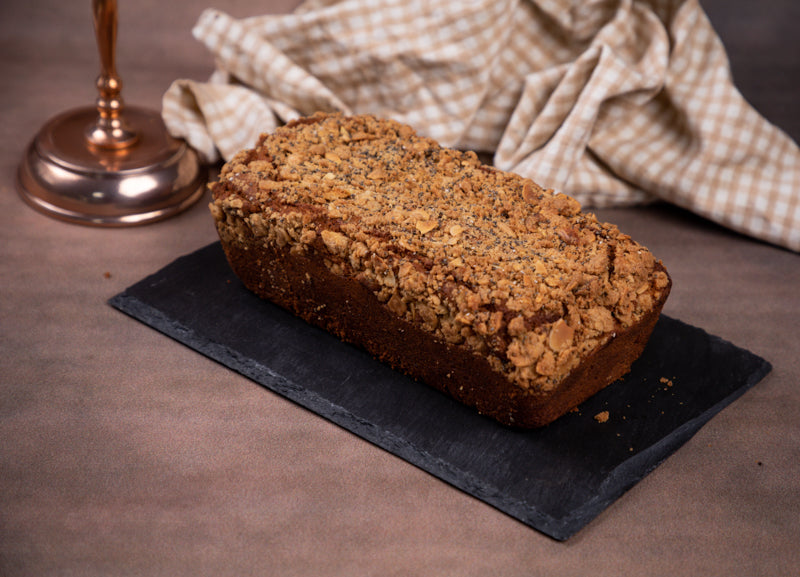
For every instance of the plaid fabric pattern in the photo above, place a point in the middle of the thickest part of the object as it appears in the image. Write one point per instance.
(615, 102)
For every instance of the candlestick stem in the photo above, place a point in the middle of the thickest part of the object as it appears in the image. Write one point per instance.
(109, 130)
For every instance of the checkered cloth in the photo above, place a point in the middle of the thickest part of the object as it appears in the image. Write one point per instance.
(615, 102)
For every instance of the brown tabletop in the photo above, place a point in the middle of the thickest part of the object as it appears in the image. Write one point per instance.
(123, 452)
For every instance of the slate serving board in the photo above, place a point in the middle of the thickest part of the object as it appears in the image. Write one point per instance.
(555, 479)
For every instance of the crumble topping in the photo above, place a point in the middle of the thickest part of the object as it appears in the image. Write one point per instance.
(481, 258)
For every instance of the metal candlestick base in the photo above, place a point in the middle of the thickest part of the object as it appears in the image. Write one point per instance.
(98, 166)
(64, 176)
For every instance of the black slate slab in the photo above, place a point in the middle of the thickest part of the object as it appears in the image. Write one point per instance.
(555, 479)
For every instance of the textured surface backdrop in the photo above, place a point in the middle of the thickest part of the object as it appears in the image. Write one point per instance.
(124, 453)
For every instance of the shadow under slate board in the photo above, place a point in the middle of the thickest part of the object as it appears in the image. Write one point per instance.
(555, 479)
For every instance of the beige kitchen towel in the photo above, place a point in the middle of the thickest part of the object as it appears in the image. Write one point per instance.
(615, 102)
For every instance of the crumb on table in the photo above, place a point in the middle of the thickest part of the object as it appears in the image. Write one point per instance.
(601, 417)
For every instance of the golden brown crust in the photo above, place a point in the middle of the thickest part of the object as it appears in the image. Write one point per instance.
(518, 303)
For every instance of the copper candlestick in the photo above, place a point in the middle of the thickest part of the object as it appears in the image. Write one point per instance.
(109, 165)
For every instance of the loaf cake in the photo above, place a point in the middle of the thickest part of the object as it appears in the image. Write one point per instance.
(477, 281)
